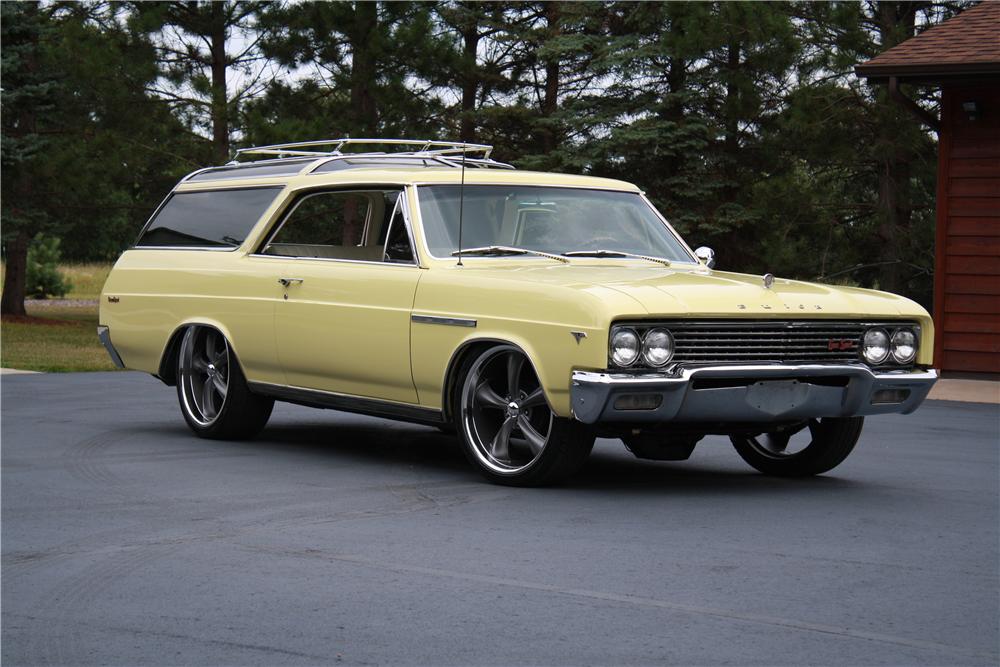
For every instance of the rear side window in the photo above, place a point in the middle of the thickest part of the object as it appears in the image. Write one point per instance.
(215, 219)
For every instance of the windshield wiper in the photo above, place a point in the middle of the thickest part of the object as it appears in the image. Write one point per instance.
(501, 250)
(616, 253)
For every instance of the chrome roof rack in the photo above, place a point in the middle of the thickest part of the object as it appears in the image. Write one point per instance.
(419, 148)
(306, 157)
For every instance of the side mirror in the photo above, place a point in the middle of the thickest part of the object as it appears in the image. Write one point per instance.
(706, 255)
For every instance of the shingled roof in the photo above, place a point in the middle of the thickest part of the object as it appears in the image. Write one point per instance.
(965, 45)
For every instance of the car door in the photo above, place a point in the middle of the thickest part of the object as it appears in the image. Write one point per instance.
(343, 324)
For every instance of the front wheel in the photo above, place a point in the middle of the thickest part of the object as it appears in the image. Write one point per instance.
(809, 448)
(215, 399)
(507, 428)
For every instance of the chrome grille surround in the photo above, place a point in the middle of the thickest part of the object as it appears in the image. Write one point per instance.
(714, 342)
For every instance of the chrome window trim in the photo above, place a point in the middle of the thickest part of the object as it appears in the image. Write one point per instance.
(400, 200)
(426, 248)
(404, 265)
(197, 248)
(401, 207)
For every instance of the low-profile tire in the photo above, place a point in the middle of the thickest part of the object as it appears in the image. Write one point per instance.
(832, 440)
(212, 390)
(508, 431)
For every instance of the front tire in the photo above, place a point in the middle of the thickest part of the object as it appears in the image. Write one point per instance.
(508, 431)
(212, 390)
(831, 440)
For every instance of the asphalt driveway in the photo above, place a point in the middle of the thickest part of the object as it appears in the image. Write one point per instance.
(342, 539)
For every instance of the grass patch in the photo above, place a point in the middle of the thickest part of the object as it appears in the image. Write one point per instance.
(87, 278)
(54, 339)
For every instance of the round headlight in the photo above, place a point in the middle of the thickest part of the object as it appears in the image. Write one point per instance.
(876, 346)
(657, 347)
(624, 347)
(904, 346)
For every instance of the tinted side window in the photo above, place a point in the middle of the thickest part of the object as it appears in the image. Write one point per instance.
(220, 218)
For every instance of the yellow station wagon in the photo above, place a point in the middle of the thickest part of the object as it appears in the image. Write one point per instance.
(530, 312)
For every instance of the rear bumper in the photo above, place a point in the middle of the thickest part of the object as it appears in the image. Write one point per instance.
(758, 393)
(104, 334)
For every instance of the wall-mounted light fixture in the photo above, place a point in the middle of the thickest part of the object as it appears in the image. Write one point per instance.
(971, 109)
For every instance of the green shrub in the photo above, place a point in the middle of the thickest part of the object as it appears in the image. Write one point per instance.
(42, 276)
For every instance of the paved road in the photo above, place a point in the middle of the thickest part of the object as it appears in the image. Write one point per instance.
(336, 538)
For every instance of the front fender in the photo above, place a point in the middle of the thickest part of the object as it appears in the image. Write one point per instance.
(559, 329)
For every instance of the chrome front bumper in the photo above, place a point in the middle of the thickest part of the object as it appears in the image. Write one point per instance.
(759, 393)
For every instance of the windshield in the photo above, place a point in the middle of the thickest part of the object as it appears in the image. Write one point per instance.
(548, 219)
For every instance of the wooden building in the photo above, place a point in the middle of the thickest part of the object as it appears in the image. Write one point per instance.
(962, 57)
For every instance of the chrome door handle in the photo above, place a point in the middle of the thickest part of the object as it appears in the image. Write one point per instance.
(285, 282)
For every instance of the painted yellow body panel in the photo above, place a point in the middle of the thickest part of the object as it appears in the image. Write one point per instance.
(347, 327)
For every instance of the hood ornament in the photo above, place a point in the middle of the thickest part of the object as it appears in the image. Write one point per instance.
(768, 280)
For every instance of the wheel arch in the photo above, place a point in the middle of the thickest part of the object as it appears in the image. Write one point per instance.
(167, 370)
(467, 350)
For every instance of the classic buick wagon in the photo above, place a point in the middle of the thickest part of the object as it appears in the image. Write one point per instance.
(530, 312)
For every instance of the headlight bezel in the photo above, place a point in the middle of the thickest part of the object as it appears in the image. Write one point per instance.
(887, 346)
(615, 332)
(892, 358)
(646, 347)
(903, 361)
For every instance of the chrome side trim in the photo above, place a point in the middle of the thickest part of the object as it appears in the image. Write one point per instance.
(750, 393)
(374, 407)
(448, 321)
(104, 335)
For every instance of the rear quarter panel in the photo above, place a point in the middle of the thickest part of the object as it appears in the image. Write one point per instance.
(159, 291)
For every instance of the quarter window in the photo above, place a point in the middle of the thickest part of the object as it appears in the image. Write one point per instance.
(215, 219)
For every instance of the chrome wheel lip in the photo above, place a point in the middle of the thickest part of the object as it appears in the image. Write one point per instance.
(197, 384)
(512, 411)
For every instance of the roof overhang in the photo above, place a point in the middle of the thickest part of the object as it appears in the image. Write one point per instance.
(929, 73)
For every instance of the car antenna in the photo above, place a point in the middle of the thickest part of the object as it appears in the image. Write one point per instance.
(461, 207)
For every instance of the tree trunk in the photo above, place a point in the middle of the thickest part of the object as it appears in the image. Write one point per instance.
(470, 81)
(673, 109)
(220, 95)
(550, 101)
(12, 302)
(363, 68)
(896, 21)
(731, 142)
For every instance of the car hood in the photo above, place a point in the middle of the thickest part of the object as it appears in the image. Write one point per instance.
(666, 291)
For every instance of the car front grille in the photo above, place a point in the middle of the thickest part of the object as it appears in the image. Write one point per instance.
(749, 341)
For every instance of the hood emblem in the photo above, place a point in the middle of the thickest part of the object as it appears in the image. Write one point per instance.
(768, 280)
(578, 335)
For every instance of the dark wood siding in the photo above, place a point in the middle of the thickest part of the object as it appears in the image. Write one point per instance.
(967, 273)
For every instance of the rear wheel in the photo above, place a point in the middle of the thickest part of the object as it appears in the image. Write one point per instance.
(810, 448)
(507, 428)
(215, 399)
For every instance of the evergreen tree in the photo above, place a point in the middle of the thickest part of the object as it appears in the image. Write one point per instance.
(211, 61)
(368, 66)
(86, 153)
